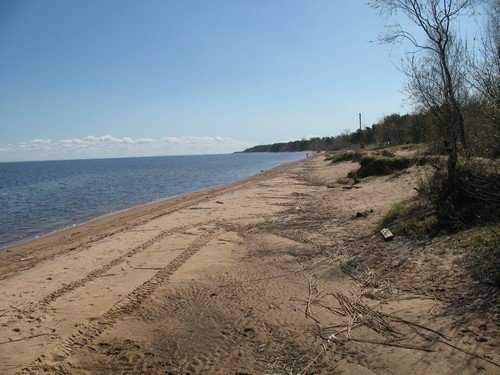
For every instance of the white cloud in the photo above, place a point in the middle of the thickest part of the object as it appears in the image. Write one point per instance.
(6, 148)
(105, 139)
(40, 142)
(108, 146)
(145, 141)
(34, 144)
(197, 140)
(202, 145)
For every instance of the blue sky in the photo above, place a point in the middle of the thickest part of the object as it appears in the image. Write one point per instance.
(129, 78)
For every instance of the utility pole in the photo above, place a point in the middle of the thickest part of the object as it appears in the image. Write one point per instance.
(360, 133)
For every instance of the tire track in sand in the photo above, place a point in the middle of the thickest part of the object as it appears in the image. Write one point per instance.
(97, 272)
(87, 333)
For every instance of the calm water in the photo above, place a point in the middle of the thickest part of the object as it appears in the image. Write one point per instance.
(39, 197)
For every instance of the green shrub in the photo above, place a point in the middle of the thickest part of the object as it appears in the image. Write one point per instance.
(399, 211)
(345, 181)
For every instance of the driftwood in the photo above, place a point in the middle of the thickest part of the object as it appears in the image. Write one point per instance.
(394, 344)
(470, 353)
(26, 338)
(29, 257)
(357, 314)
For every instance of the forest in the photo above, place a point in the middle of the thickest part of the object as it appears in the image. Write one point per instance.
(413, 128)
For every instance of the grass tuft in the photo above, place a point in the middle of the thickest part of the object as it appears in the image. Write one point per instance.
(348, 180)
(482, 255)
(402, 221)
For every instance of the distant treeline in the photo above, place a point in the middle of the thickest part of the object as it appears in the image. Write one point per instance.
(396, 129)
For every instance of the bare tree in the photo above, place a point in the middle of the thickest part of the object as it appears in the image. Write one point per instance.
(484, 62)
(483, 68)
(434, 66)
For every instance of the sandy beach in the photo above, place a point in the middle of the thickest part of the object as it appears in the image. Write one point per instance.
(253, 277)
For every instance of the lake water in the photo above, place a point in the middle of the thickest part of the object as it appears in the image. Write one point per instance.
(39, 197)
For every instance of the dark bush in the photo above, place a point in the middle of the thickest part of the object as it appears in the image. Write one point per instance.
(382, 166)
(475, 198)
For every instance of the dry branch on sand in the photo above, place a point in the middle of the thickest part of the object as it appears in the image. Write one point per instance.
(338, 314)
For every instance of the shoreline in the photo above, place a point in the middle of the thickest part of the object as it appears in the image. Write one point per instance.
(97, 216)
(138, 214)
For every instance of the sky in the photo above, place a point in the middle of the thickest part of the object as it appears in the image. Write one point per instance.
(92, 78)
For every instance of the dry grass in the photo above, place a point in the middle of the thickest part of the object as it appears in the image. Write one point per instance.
(340, 156)
(482, 254)
(382, 165)
(403, 219)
